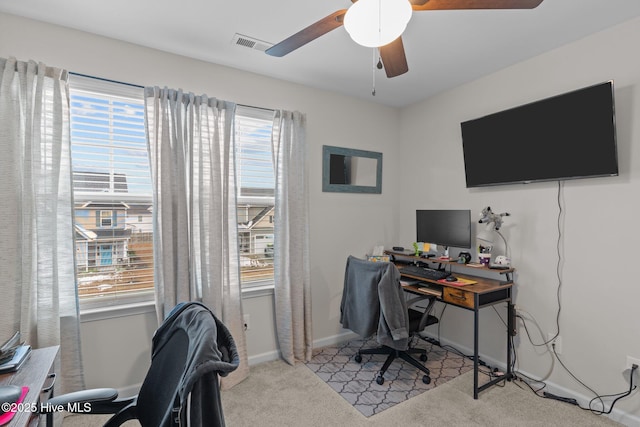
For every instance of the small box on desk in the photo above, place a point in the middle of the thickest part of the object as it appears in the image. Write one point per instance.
(378, 258)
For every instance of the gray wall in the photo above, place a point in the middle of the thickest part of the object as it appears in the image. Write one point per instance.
(599, 293)
(340, 223)
(599, 296)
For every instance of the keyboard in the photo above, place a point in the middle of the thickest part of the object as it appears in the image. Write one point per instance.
(423, 273)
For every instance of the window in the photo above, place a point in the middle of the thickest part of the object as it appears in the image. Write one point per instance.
(105, 218)
(256, 195)
(112, 193)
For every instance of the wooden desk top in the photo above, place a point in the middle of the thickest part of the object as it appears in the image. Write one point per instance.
(483, 285)
(33, 374)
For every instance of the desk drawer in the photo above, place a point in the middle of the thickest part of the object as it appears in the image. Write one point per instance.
(458, 297)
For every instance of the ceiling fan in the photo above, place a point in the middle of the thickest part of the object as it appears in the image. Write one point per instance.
(391, 50)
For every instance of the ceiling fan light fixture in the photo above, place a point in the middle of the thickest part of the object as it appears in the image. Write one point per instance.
(375, 23)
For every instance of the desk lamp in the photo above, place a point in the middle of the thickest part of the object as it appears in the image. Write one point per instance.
(484, 237)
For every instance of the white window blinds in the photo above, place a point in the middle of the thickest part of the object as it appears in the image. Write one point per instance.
(112, 192)
(256, 190)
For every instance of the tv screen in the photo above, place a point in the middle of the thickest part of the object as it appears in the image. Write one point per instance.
(444, 227)
(568, 136)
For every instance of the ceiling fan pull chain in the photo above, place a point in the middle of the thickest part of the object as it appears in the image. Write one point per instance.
(373, 70)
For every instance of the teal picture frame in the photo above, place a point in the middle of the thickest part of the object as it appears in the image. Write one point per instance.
(342, 183)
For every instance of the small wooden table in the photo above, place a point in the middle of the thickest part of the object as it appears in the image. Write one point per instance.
(34, 374)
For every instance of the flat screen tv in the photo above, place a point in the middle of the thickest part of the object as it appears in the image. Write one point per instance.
(567, 136)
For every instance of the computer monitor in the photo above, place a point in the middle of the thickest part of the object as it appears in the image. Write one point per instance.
(444, 227)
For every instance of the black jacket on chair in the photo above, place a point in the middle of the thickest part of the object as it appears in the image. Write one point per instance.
(210, 351)
(189, 351)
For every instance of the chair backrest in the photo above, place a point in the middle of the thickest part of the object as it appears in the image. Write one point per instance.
(190, 344)
(360, 307)
(373, 302)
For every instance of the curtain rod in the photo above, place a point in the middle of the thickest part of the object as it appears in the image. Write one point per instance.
(105, 80)
(142, 87)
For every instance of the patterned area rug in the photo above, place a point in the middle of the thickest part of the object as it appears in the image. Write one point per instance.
(356, 382)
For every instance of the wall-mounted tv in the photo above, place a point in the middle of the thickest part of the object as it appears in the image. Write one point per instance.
(567, 136)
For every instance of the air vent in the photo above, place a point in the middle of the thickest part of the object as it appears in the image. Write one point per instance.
(250, 42)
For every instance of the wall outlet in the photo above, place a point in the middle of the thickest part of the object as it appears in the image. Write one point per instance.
(632, 361)
(557, 341)
(245, 319)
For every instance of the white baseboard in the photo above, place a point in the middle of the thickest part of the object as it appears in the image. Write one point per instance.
(617, 415)
(335, 339)
(264, 357)
(323, 342)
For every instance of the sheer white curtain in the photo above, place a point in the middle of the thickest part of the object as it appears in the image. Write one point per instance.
(37, 273)
(195, 218)
(291, 239)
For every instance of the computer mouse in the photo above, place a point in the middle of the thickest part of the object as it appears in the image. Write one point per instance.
(451, 279)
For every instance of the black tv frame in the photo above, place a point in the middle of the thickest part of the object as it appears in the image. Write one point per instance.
(537, 141)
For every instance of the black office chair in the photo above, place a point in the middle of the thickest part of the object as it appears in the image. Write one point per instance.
(373, 302)
(189, 351)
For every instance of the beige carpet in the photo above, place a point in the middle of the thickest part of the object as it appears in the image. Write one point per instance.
(277, 394)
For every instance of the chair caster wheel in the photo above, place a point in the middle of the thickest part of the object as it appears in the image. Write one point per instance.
(426, 379)
(423, 357)
(358, 358)
(380, 379)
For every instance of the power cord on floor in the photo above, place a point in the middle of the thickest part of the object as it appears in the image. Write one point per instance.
(634, 367)
(617, 396)
(572, 401)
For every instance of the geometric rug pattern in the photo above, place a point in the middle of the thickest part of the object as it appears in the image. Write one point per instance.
(356, 382)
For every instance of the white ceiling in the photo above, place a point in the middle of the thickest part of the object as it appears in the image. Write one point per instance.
(443, 48)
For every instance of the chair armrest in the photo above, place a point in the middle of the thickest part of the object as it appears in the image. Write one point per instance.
(93, 401)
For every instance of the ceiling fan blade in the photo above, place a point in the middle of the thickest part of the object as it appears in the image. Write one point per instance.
(308, 34)
(473, 4)
(393, 58)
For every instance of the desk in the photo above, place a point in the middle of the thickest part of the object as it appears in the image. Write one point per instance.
(34, 374)
(486, 292)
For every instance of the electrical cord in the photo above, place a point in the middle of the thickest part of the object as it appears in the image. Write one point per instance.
(619, 395)
(559, 262)
(558, 273)
(597, 396)
(548, 395)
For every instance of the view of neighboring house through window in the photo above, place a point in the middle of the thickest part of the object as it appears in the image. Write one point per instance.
(256, 195)
(112, 192)
(114, 200)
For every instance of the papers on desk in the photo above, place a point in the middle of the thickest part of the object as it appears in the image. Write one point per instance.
(19, 357)
(407, 281)
(459, 282)
(422, 287)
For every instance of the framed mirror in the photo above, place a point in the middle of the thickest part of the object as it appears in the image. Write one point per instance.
(347, 170)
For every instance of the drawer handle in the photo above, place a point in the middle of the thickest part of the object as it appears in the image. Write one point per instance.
(48, 388)
(460, 297)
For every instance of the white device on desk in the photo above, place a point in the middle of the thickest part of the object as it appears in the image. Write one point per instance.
(501, 262)
(378, 251)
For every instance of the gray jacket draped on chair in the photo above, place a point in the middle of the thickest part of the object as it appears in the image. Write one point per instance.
(373, 302)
